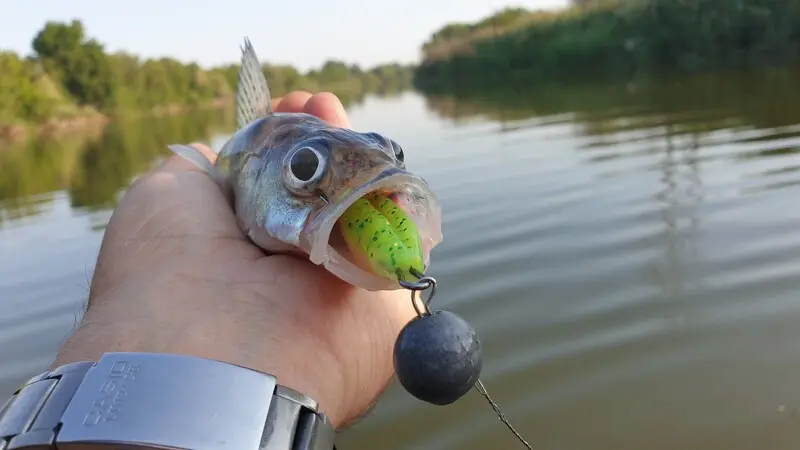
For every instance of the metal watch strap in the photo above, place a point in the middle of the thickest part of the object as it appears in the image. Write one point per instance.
(159, 401)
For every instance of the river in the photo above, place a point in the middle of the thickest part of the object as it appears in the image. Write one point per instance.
(629, 254)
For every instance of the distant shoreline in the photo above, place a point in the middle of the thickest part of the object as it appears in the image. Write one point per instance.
(71, 83)
(611, 40)
(13, 133)
(94, 121)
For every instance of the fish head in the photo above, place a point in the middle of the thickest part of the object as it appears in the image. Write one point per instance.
(323, 170)
(291, 177)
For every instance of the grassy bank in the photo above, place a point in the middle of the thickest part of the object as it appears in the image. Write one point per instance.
(620, 39)
(71, 82)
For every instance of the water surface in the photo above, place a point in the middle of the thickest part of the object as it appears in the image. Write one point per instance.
(629, 254)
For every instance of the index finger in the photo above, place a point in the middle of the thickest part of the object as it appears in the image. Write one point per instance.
(329, 108)
(324, 105)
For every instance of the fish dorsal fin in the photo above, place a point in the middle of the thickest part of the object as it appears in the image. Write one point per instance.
(253, 99)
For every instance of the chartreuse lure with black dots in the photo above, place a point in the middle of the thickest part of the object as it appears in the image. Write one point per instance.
(382, 236)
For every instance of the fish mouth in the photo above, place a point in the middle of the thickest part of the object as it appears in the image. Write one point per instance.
(325, 243)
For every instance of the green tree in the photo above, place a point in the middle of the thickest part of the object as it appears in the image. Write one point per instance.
(616, 39)
(79, 64)
(334, 72)
(25, 91)
(74, 75)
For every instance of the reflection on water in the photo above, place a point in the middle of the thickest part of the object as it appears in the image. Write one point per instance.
(93, 169)
(629, 255)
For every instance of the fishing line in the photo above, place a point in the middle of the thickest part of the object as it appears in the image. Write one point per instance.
(422, 307)
(427, 283)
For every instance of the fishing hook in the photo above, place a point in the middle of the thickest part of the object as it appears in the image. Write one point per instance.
(423, 283)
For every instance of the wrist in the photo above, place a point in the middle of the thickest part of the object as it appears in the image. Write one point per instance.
(157, 400)
(130, 322)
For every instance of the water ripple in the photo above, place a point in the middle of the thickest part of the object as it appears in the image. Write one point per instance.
(632, 266)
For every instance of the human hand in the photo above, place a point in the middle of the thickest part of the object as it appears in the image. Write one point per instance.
(176, 275)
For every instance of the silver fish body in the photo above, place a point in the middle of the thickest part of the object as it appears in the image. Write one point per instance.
(292, 175)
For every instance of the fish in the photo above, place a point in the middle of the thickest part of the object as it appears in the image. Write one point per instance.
(340, 198)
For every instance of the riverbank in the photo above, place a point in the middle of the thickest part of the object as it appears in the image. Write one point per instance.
(72, 84)
(611, 40)
(90, 122)
(15, 132)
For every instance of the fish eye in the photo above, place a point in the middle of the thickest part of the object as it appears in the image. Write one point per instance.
(398, 151)
(304, 170)
(304, 163)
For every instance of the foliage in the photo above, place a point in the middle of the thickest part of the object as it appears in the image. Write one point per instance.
(72, 74)
(19, 97)
(78, 63)
(619, 39)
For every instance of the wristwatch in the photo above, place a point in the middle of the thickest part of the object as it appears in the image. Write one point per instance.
(160, 401)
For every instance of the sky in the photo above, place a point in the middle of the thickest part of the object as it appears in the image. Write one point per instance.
(303, 33)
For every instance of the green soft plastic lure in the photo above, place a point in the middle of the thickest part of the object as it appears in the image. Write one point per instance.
(381, 236)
